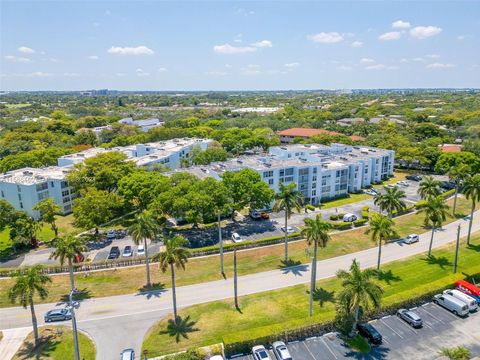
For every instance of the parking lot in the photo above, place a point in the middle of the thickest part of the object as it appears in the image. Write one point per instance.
(400, 341)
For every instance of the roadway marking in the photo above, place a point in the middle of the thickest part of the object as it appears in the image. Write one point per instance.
(384, 323)
(433, 316)
(407, 325)
(328, 347)
(308, 350)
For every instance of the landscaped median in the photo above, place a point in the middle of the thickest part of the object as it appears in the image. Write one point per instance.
(283, 314)
(203, 269)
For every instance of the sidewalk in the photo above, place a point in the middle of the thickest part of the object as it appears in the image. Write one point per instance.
(12, 340)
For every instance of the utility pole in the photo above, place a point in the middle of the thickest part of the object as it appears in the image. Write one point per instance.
(220, 239)
(235, 285)
(74, 325)
(456, 251)
(312, 287)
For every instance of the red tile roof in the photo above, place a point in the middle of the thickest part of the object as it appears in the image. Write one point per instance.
(307, 132)
(450, 148)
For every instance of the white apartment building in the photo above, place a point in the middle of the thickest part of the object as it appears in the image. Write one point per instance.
(144, 125)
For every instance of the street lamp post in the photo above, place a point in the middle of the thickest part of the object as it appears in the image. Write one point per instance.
(235, 285)
(222, 270)
(456, 250)
(74, 325)
(312, 288)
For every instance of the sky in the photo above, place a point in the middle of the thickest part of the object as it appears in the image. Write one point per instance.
(227, 45)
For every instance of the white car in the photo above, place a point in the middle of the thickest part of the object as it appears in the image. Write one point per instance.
(349, 217)
(289, 229)
(280, 350)
(260, 353)
(403, 183)
(236, 237)
(410, 239)
(216, 357)
(370, 192)
(140, 250)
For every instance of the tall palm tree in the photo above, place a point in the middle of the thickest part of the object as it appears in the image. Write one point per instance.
(67, 248)
(27, 285)
(457, 174)
(471, 189)
(358, 289)
(316, 232)
(288, 199)
(380, 230)
(436, 212)
(144, 227)
(174, 255)
(392, 200)
(429, 187)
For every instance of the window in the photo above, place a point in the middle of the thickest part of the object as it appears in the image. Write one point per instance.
(282, 172)
(66, 199)
(21, 205)
(289, 171)
(314, 177)
(42, 195)
(314, 185)
(63, 184)
(270, 181)
(42, 186)
(268, 174)
(20, 197)
(65, 192)
(314, 170)
(3, 195)
(289, 179)
(18, 188)
(314, 192)
(52, 184)
(67, 208)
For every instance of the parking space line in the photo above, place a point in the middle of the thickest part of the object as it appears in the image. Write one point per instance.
(407, 325)
(384, 323)
(308, 350)
(328, 347)
(433, 316)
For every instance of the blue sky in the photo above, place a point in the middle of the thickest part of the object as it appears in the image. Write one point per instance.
(226, 45)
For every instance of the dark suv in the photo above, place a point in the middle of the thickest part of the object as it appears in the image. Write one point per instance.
(370, 333)
(414, 177)
(114, 253)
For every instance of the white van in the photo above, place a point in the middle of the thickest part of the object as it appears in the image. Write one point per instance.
(456, 306)
(470, 301)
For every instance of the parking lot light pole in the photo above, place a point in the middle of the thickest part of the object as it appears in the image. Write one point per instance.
(74, 326)
(235, 285)
(312, 287)
(456, 251)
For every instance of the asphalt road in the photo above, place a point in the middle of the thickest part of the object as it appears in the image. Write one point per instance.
(153, 305)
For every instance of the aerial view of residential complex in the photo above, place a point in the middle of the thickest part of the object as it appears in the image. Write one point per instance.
(250, 180)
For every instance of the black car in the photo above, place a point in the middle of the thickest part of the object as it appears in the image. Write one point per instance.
(414, 177)
(447, 185)
(114, 253)
(370, 333)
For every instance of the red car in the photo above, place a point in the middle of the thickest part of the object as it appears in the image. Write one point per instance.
(264, 215)
(468, 288)
(79, 258)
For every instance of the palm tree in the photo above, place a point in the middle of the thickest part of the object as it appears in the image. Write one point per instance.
(456, 353)
(316, 232)
(429, 187)
(175, 255)
(28, 284)
(471, 189)
(359, 289)
(381, 230)
(67, 248)
(457, 174)
(288, 199)
(392, 200)
(144, 227)
(436, 212)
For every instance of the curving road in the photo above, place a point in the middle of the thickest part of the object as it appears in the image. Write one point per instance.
(119, 322)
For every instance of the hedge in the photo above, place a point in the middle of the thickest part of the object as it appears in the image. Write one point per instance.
(360, 222)
(310, 207)
(420, 204)
(333, 217)
(340, 225)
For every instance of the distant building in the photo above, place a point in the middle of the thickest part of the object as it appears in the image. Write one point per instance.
(350, 121)
(450, 148)
(287, 136)
(96, 130)
(144, 125)
(260, 110)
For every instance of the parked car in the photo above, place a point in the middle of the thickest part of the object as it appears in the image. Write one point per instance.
(280, 350)
(260, 353)
(79, 258)
(370, 333)
(140, 250)
(470, 301)
(58, 315)
(236, 237)
(391, 186)
(469, 289)
(254, 214)
(216, 357)
(127, 354)
(447, 185)
(349, 217)
(412, 238)
(371, 192)
(127, 252)
(114, 253)
(264, 215)
(289, 229)
(410, 317)
(111, 234)
(403, 183)
(414, 177)
(456, 306)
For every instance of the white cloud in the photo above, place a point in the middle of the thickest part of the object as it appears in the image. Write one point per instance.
(141, 73)
(71, 74)
(162, 69)
(263, 44)
(228, 66)
(400, 24)
(139, 50)
(440, 66)
(17, 59)
(389, 36)
(92, 57)
(419, 59)
(230, 49)
(432, 56)
(461, 37)
(403, 60)
(38, 74)
(357, 44)
(423, 32)
(292, 65)
(326, 37)
(253, 66)
(381, 67)
(26, 50)
(344, 67)
(366, 60)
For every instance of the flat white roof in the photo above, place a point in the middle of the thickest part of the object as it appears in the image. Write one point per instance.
(31, 176)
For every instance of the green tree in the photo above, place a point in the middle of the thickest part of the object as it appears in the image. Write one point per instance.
(358, 290)
(390, 201)
(436, 212)
(457, 175)
(287, 200)
(471, 189)
(67, 248)
(380, 230)
(27, 285)
(7, 214)
(48, 213)
(143, 228)
(429, 187)
(174, 255)
(449, 160)
(456, 353)
(24, 229)
(140, 187)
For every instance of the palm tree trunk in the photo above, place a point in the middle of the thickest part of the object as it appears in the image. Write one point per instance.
(70, 270)
(355, 321)
(55, 229)
(286, 237)
(314, 268)
(455, 199)
(146, 262)
(431, 241)
(34, 322)
(470, 223)
(313, 281)
(379, 253)
(174, 294)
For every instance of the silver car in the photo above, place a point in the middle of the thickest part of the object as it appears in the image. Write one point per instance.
(280, 350)
(410, 239)
(260, 353)
(58, 315)
(410, 317)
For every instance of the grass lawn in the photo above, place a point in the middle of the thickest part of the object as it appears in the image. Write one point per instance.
(274, 311)
(105, 283)
(56, 344)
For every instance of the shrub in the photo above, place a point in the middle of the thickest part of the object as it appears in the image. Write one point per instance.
(360, 222)
(420, 204)
(341, 215)
(365, 215)
(365, 208)
(310, 207)
(333, 217)
(340, 225)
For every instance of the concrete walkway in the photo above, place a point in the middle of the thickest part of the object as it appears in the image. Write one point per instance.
(12, 340)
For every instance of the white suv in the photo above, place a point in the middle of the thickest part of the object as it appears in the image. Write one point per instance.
(260, 353)
(410, 239)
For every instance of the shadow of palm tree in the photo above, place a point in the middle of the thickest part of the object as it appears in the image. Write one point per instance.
(441, 261)
(473, 247)
(321, 295)
(180, 328)
(294, 267)
(388, 276)
(80, 295)
(380, 352)
(48, 344)
(155, 290)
